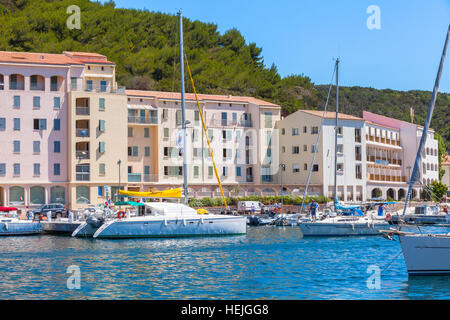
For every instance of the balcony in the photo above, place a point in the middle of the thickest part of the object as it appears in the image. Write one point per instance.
(82, 154)
(134, 177)
(384, 161)
(82, 111)
(386, 178)
(107, 88)
(83, 176)
(229, 123)
(143, 120)
(82, 133)
(249, 178)
(385, 141)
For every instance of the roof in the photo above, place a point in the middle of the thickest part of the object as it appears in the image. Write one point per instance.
(381, 125)
(332, 115)
(201, 97)
(65, 58)
(36, 58)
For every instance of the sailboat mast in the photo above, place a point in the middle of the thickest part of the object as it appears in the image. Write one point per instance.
(183, 113)
(336, 133)
(423, 139)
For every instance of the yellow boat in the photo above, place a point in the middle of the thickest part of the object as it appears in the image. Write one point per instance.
(172, 193)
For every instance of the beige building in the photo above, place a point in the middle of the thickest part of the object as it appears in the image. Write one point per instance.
(446, 177)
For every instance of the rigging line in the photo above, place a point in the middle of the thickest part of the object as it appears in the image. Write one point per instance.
(317, 141)
(390, 263)
(206, 133)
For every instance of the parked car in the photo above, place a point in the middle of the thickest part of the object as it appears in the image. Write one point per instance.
(58, 211)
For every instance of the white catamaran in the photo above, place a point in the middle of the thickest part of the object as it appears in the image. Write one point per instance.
(353, 225)
(425, 254)
(165, 219)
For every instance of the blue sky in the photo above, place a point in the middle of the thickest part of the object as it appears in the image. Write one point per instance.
(304, 36)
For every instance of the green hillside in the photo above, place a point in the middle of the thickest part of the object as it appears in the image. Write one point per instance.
(144, 45)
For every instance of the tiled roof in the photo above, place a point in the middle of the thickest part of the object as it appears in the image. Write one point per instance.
(36, 58)
(201, 97)
(332, 115)
(66, 58)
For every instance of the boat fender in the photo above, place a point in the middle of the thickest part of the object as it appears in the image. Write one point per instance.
(184, 222)
(6, 226)
(121, 214)
(165, 222)
(353, 227)
(201, 221)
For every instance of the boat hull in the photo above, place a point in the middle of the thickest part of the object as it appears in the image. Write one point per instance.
(60, 227)
(319, 229)
(172, 228)
(85, 230)
(22, 228)
(425, 254)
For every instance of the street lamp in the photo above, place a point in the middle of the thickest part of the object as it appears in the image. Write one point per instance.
(283, 167)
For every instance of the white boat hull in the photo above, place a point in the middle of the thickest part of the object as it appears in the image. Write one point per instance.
(320, 229)
(19, 228)
(425, 254)
(85, 230)
(157, 227)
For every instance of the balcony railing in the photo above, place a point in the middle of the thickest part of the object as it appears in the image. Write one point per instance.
(134, 177)
(82, 154)
(82, 176)
(143, 120)
(82, 111)
(229, 123)
(249, 179)
(383, 140)
(384, 161)
(386, 178)
(98, 88)
(83, 133)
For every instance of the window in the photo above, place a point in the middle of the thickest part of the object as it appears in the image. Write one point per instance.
(89, 85)
(101, 104)
(57, 146)
(210, 171)
(283, 131)
(13, 82)
(56, 169)
(56, 103)
(100, 191)
(295, 150)
(16, 169)
(2, 169)
(225, 171)
(16, 102)
(16, 124)
(314, 130)
(147, 151)
(130, 132)
(103, 86)
(178, 118)
(224, 118)
(340, 148)
(340, 168)
(313, 149)
(295, 131)
(340, 131)
(36, 146)
(305, 147)
(36, 169)
(101, 125)
(33, 82)
(146, 170)
(39, 124)
(315, 168)
(295, 168)
(101, 169)
(146, 132)
(166, 151)
(165, 113)
(305, 166)
(16, 146)
(73, 83)
(268, 119)
(54, 83)
(305, 129)
(56, 124)
(36, 102)
(238, 172)
(196, 171)
(82, 195)
(283, 149)
(101, 147)
(135, 151)
(358, 171)
(166, 132)
(2, 124)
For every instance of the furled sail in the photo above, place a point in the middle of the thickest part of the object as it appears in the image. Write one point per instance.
(171, 193)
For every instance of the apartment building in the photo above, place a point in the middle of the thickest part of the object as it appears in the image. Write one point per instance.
(239, 128)
(446, 177)
(298, 137)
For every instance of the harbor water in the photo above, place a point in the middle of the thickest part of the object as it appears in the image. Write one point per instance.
(267, 263)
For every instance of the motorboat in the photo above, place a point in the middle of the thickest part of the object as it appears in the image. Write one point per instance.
(167, 220)
(13, 226)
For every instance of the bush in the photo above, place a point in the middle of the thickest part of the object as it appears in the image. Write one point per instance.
(287, 200)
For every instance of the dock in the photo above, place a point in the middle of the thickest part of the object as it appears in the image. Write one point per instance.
(61, 227)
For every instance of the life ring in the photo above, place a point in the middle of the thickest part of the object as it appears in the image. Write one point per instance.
(121, 214)
(388, 217)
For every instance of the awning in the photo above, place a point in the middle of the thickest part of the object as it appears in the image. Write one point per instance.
(140, 106)
(7, 209)
(129, 203)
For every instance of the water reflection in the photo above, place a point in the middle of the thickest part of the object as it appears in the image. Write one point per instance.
(267, 263)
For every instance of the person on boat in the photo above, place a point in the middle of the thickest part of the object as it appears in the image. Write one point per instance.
(313, 210)
(253, 208)
(380, 210)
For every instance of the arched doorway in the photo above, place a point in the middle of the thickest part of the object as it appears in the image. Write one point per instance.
(390, 194)
(402, 194)
(16, 196)
(37, 195)
(376, 193)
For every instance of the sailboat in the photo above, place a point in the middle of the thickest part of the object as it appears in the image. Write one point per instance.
(336, 225)
(424, 254)
(166, 219)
